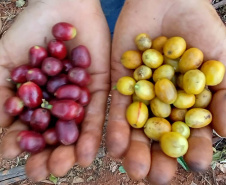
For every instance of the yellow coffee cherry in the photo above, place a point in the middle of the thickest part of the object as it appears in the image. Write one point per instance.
(152, 58)
(164, 71)
(125, 85)
(198, 118)
(174, 47)
(214, 72)
(174, 144)
(131, 59)
(194, 81)
(181, 128)
(165, 91)
(142, 73)
(159, 108)
(184, 100)
(203, 99)
(143, 41)
(191, 59)
(144, 89)
(158, 43)
(137, 114)
(155, 127)
(177, 114)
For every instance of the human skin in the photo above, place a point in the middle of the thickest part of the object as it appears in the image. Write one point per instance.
(131, 22)
(196, 21)
(33, 27)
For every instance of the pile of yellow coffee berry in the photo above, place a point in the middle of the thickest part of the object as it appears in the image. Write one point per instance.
(169, 89)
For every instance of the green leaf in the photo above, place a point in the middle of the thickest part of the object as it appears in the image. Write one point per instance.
(53, 179)
(121, 169)
(181, 161)
(213, 165)
(20, 3)
(217, 156)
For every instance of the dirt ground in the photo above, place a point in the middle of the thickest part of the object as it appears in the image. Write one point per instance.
(106, 170)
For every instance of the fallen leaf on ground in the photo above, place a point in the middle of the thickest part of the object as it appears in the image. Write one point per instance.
(53, 179)
(90, 178)
(20, 3)
(121, 169)
(220, 177)
(222, 167)
(78, 180)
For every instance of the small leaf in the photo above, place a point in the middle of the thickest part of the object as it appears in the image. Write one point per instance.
(217, 156)
(121, 169)
(222, 167)
(20, 3)
(213, 165)
(53, 179)
(181, 161)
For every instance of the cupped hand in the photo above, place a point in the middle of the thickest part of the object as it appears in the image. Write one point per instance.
(33, 27)
(199, 24)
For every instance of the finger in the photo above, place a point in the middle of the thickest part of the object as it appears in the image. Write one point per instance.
(218, 109)
(9, 147)
(200, 151)
(61, 160)
(91, 132)
(6, 119)
(118, 129)
(17, 126)
(138, 159)
(36, 166)
(161, 164)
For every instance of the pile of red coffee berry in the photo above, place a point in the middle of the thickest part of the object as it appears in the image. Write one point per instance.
(51, 92)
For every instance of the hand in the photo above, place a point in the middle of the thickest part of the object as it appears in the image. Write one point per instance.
(32, 27)
(198, 23)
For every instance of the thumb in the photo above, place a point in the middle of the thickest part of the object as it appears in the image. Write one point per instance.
(4, 72)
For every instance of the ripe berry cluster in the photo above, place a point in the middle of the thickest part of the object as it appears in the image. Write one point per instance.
(51, 92)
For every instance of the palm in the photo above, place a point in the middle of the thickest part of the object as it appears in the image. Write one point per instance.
(197, 22)
(33, 27)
